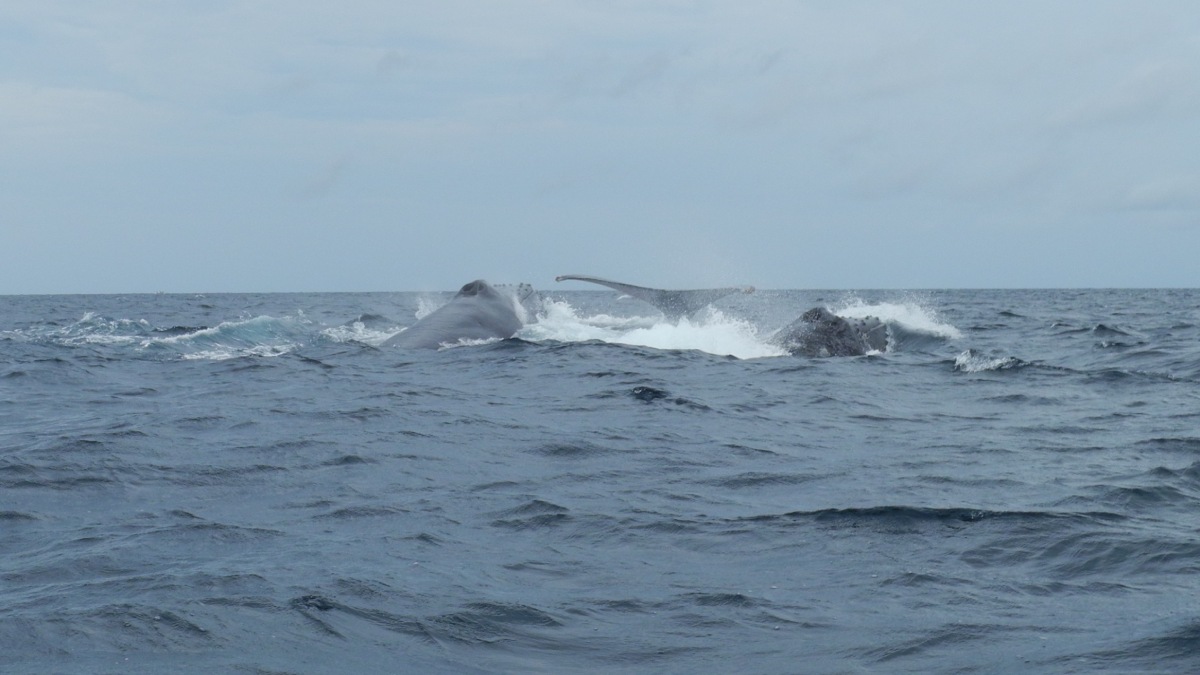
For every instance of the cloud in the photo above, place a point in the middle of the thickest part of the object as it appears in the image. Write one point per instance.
(320, 184)
(1144, 93)
(47, 122)
(757, 121)
(1173, 193)
(644, 71)
(392, 63)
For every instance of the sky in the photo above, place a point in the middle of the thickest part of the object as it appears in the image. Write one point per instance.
(375, 145)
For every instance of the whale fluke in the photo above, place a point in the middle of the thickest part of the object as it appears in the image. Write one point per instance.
(674, 304)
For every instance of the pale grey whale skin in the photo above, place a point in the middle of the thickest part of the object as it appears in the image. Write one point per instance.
(674, 304)
(477, 312)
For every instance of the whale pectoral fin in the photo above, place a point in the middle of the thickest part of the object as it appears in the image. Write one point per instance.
(674, 304)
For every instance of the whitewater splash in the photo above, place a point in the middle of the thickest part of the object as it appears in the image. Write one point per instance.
(971, 361)
(249, 336)
(365, 332)
(712, 331)
(913, 315)
(254, 336)
(715, 332)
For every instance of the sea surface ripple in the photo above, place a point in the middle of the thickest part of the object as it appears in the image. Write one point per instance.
(252, 484)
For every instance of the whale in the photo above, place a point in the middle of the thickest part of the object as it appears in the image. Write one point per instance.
(477, 312)
(819, 332)
(480, 311)
(675, 305)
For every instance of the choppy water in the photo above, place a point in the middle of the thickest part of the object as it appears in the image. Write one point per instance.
(247, 483)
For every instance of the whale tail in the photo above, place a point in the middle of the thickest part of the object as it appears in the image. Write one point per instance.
(674, 304)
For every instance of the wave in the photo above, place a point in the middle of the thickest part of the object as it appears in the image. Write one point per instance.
(911, 516)
(93, 329)
(972, 361)
(367, 329)
(912, 316)
(913, 326)
(263, 336)
(1175, 647)
(480, 623)
(712, 331)
(257, 336)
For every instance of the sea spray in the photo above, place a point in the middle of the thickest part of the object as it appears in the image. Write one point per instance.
(711, 331)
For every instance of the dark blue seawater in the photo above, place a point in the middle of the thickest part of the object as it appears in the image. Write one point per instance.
(250, 484)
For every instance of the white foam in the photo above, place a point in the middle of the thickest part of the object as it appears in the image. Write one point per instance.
(226, 353)
(258, 324)
(912, 315)
(712, 332)
(558, 320)
(93, 329)
(467, 342)
(100, 339)
(973, 362)
(358, 332)
(254, 336)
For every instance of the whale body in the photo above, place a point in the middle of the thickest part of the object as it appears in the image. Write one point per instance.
(481, 312)
(819, 332)
(477, 312)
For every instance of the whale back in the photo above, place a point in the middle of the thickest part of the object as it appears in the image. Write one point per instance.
(477, 312)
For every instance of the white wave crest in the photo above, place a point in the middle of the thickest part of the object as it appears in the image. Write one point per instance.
(912, 315)
(971, 361)
(467, 342)
(712, 332)
(226, 353)
(92, 329)
(255, 336)
(358, 332)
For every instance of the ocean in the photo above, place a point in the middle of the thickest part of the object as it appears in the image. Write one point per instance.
(243, 483)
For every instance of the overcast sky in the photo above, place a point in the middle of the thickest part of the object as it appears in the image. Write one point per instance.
(376, 145)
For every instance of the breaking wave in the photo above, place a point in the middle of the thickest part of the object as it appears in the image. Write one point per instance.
(711, 331)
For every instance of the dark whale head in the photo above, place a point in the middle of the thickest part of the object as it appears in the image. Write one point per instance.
(477, 287)
(820, 332)
(819, 315)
